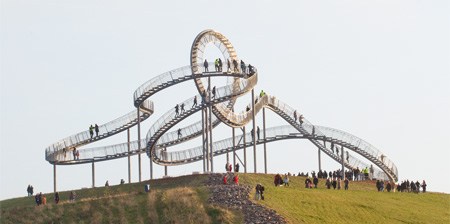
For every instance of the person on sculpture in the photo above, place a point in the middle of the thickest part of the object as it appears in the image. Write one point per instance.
(205, 64)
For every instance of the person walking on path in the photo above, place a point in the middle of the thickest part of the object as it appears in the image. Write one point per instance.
(206, 65)
(195, 102)
(214, 92)
(176, 110)
(182, 108)
(91, 130)
(300, 119)
(204, 97)
(179, 133)
(216, 65)
(96, 130)
(243, 67)
(295, 116)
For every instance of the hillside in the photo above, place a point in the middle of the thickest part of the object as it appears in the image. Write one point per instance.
(184, 200)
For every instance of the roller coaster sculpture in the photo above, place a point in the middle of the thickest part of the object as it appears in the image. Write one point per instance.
(220, 105)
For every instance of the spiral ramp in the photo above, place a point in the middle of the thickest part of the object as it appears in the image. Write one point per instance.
(222, 106)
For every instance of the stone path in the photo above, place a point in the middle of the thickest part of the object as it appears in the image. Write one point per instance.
(236, 197)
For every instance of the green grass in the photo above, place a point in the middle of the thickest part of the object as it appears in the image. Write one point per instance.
(362, 203)
(184, 200)
(172, 200)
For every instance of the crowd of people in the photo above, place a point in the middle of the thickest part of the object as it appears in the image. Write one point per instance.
(218, 64)
(334, 179)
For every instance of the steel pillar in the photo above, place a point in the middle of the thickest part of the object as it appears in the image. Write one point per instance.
(165, 167)
(254, 129)
(139, 142)
(93, 175)
(245, 152)
(151, 169)
(234, 148)
(129, 158)
(343, 167)
(264, 133)
(203, 142)
(207, 140)
(320, 163)
(54, 178)
(210, 126)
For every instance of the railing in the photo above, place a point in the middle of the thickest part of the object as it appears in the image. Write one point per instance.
(244, 86)
(107, 129)
(226, 145)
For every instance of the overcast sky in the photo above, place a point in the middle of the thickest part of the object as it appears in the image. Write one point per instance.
(379, 70)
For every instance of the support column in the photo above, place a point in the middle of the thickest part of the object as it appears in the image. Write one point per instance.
(343, 165)
(207, 140)
(54, 178)
(254, 129)
(139, 142)
(129, 158)
(93, 175)
(165, 167)
(245, 152)
(234, 148)
(151, 169)
(203, 142)
(210, 126)
(320, 164)
(264, 133)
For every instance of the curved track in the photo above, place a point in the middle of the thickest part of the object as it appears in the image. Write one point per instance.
(242, 82)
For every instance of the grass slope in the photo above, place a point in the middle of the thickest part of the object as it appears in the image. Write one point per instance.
(172, 200)
(184, 200)
(362, 203)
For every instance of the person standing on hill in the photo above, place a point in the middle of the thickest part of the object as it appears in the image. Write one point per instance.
(334, 184)
(328, 183)
(424, 187)
(257, 189)
(96, 130)
(388, 187)
(286, 180)
(236, 168)
(346, 183)
(28, 190)
(56, 197)
(339, 183)
(261, 191)
(315, 181)
(225, 179)
(72, 196)
(236, 179)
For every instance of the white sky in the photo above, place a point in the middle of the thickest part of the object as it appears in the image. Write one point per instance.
(376, 69)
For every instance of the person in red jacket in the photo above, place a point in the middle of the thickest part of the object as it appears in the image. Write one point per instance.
(225, 179)
(236, 179)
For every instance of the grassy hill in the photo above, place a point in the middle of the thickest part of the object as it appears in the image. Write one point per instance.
(184, 200)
